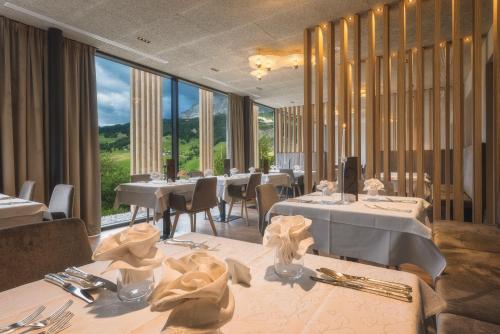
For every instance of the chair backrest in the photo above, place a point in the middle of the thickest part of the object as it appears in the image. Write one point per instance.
(28, 252)
(291, 175)
(27, 190)
(205, 194)
(196, 173)
(140, 177)
(253, 182)
(266, 197)
(61, 199)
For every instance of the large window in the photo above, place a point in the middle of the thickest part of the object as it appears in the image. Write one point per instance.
(265, 119)
(167, 118)
(189, 127)
(220, 110)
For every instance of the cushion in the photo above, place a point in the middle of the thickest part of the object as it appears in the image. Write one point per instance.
(455, 324)
(470, 284)
(480, 237)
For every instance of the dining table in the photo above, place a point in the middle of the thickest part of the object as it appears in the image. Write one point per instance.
(387, 230)
(268, 305)
(414, 178)
(16, 211)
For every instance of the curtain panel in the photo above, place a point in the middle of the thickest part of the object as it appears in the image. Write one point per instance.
(23, 107)
(206, 129)
(81, 134)
(236, 130)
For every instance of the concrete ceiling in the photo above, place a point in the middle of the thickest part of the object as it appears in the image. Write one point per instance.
(196, 36)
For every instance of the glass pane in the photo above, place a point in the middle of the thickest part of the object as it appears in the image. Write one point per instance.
(220, 111)
(167, 118)
(113, 103)
(266, 134)
(189, 125)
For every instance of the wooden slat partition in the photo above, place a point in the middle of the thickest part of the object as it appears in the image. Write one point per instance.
(330, 111)
(419, 103)
(411, 104)
(496, 106)
(458, 203)
(356, 88)
(307, 116)
(377, 116)
(401, 95)
(342, 86)
(437, 111)
(370, 98)
(387, 93)
(477, 81)
(447, 117)
(318, 36)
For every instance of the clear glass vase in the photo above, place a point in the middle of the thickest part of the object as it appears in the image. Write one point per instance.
(135, 285)
(288, 267)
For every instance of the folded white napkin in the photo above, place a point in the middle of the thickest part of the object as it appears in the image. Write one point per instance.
(251, 169)
(195, 287)
(373, 184)
(133, 251)
(233, 171)
(208, 172)
(238, 272)
(290, 235)
(296, 167)
(325, 184)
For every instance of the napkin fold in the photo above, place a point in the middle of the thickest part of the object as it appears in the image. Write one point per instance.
(296, 167)
(290, 235)
(251, 169)
(195, 288)
(373, 185)
(233, 171)
(326, 185)
(133, 251)
(238, 272)
(208, 172)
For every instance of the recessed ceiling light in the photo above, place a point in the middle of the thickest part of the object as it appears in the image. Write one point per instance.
(144, 40)
(214, 69)
(258, 88)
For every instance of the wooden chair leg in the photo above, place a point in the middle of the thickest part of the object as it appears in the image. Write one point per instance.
(194, 229)
(147, 215)
(134, 214)
(176, 220)
(242, 203)
(214, 230)
(230, 209)
(246, 212)
(191, 222)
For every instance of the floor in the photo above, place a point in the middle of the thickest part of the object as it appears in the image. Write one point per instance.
(236, 229)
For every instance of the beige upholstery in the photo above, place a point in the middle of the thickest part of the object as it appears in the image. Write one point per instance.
(204, 198)
(266, 197)
(454, 324)
(29, 252)
(27, 190)
(243, 193)
(61, 203)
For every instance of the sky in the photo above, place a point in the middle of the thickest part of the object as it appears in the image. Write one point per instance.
(113, 93)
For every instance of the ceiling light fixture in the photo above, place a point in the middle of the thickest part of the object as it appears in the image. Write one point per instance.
(82, 32)
(350, 18)
(379, 10)
(262, 63)
(467, 39)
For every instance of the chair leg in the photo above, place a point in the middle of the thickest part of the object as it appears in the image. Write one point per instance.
(134, 214)
(194, 229)
(294, 195)
(214, 230)
(242, 203)
(246, 212)
(300, 191)
(191, 222)
(176, 220)
(230, 209)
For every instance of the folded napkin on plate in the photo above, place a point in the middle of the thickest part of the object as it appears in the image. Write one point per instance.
(233, 171)
(326, 185)
(133, 251)
(208, 172)
(251, 169)
(290, 235)
(238, 272)
(195, 288)
(296, 167)
(373, 184)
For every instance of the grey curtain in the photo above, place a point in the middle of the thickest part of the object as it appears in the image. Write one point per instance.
(236, 131)
(23, 106)
(81, 139)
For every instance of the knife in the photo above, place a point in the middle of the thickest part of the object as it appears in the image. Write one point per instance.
(106, 284)
(84, 295)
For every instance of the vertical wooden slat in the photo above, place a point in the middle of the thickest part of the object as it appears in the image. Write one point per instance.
(496, 106)
(342, 86)
(370, 98)
(356, 87)
(318, 34)
(419, 103)
(377, 116)
(277, 129)
(330, 111)
(437, 111)
(307, 123)
(477, 81)
(348, 116)
(401, 96)
(458, 203)
(387, 93)
(410, 122)
(447, 153)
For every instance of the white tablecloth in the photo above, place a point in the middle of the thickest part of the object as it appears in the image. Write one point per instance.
(153, 194)
(427, 183)
(381, 236)
(267, 306)
(276, 179)
(16, 211)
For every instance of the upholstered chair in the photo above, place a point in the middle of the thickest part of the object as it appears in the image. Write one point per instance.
(61, 203)
(266, 197)
(28, 252)
(139, 178)
(243, 193)
(27, 190)
(204, 198)
(293, 185)
(196, 173)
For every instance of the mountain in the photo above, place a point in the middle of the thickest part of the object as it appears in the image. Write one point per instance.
(220, 107)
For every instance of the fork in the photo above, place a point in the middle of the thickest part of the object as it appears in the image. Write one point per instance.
(60, 324)
(54, 317)
(25, 321)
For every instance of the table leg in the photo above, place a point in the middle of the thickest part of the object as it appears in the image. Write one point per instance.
(166, 224)
(222, 210)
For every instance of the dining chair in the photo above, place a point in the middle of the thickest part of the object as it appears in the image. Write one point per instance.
(61, 203)
(28, 252)
(139, 178)
(27, 190)
(244, 193)
(204, 198)
(293, 185)
(266, 197)
(196, 173)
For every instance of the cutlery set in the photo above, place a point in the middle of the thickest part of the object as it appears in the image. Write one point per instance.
(398, 291)
(375, 206)
(54, 323)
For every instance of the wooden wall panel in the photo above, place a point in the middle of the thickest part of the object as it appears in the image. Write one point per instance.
(356, 89)
(411, 104)
(436, 178)
(387, 93)
(330, 111)
(342, 86)
(378, 123)
(318, 36)
(477, 81)
(419, 103)
(307, 116)
(447, 117)
(401, 95)
(370, 98)
(496, 106)
(458, 203)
